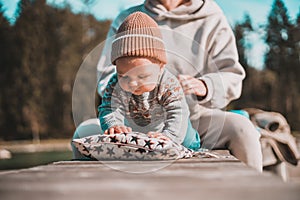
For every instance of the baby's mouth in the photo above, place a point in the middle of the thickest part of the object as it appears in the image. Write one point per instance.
(137, 90)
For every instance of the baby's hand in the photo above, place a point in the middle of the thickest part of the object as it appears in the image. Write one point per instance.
(158, 135)
(117, 129)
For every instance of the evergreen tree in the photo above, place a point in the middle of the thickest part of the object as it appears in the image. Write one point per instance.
(294, 73)
(277, 36)
(5, 41)
(35, 75)
(40, 56)
(296, 43)
(280, 58)
(241, 30)
(257, 84)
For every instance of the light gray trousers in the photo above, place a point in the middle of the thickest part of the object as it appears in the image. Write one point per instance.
(226, 130)
(218, 130)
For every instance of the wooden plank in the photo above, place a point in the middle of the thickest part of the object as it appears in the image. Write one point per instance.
(183, 179)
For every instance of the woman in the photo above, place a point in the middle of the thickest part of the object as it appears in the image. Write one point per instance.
(201, 51)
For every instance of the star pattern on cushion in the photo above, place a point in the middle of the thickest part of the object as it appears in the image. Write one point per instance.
(88, 148)
(134, 139)
(88, 140)
(152, 153)
(129, 146)
(141, 150)
(110, 151)
(114, 139)
(161, 143)
(101, 138)
(148, 143)
(85, 151)
(98, 149)
(140, 158)
(127, 153)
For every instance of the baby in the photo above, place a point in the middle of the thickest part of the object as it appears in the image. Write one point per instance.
(143, 96)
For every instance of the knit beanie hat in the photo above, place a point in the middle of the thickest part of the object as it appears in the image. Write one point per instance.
(138, 36)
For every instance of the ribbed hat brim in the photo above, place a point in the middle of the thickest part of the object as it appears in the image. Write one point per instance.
(138, 46)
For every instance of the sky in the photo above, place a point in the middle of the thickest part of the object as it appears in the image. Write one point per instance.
(234, 10)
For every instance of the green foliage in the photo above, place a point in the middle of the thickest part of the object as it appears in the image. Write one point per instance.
(6, 63)
(282, 58)
(40, 56)
(277, 87)
(42, 52)
(241, 30)
(278, 37)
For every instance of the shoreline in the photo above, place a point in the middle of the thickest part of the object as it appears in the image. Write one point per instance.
(28, 146)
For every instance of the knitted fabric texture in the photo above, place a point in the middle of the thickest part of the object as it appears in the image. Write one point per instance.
(138, 36)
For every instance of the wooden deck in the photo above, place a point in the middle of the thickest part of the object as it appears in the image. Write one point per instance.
(197, 178)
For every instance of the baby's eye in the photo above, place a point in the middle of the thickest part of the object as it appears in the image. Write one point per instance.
(123, 77)
(143, 76)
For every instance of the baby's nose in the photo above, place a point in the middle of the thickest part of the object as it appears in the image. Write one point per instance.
(133, 83)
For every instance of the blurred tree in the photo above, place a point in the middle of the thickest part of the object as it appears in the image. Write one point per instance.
(280, 58)
(293, 62)
(36, 79)
(5, 69)
(241, 30)
(77, 41)
(277, 36)
(258, 83)
(296, 37)
(40, 56)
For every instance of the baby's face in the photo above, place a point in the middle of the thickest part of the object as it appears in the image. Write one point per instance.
(137, 75)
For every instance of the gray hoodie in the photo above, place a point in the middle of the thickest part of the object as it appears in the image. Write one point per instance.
(199, 42)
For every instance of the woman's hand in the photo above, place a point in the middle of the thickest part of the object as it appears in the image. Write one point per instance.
(117, 129)
(157, 135)
(192, 85)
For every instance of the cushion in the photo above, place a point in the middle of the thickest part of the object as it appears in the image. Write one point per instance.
(130, 146)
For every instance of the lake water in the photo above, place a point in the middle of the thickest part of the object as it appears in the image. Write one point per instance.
(26, 160)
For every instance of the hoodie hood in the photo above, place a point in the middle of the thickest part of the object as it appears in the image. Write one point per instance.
(195, 9)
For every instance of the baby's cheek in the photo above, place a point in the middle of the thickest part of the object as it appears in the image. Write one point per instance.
(124, 86)
(148, 87)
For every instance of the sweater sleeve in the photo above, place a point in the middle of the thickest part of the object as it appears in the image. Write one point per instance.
(111, 110)
(224, 81)
(177, 112)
